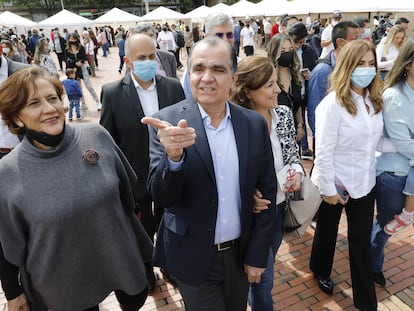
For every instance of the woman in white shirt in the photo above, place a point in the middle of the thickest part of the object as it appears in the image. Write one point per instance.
(89, 51)
(166, 40)
(257, 88)
(387, 51)
(349, 126)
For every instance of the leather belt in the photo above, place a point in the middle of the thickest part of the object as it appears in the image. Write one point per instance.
(225, 245)
(5, 150)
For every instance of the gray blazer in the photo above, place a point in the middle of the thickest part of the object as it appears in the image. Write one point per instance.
(168, 62)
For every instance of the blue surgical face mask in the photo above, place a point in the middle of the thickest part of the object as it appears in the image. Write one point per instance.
(145, 70)
(366, 33)
(362, 76)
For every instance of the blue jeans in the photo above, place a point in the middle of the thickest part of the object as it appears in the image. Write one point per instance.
(260, 294)
(74, 103)
(390, 202)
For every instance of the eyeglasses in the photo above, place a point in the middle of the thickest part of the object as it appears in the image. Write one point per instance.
(229, 35)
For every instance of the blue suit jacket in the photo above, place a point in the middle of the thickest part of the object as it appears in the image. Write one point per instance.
(185, 241)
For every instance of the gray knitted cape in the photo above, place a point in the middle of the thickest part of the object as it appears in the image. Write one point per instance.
(68, 224)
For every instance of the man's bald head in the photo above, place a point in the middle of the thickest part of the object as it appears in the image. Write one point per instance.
(136, 42)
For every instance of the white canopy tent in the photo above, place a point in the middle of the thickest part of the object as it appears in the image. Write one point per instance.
(163, 14)
(246, 8)
(11, 20)
(304, 7)
(349, 6)
(65, 19)
(199, 13)
(117, 16)
(223, 8)
(280, 7)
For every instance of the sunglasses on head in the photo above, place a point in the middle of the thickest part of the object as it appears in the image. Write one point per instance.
(229, 35)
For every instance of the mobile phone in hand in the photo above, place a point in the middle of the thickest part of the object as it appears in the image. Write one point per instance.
(343, 193)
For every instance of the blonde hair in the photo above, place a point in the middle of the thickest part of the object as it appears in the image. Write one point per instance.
(41, 48)
(398, 72)
(348, 60)
(391, 34)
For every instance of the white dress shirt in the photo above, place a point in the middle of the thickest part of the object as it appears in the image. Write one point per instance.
(325, 36)
(148, 97)
(7, 139)
(345, 146)
(386, 60)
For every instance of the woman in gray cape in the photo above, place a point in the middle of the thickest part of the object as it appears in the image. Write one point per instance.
(67, 228)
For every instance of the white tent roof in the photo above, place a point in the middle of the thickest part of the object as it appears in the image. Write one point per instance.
(64, 18)
(117, 16)
(280, 7)
(221, 7)
(163, 13)
(246, 8)
(321, 6)
(10, 19)
(200, 12)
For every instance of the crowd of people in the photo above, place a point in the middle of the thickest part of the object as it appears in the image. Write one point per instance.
(182, 174)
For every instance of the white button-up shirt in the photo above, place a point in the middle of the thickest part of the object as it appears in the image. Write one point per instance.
(7, 139)
(345, 146)
(148, 98)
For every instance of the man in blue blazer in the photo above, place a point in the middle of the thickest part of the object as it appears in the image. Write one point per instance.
(206, 160)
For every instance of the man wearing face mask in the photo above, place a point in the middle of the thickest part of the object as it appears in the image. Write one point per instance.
(326, 37)
(364, 28)
(140, 93)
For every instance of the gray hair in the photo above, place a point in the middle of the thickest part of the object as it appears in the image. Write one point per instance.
(213, 41)
(217, 19)
(132, 37)
(141, 28)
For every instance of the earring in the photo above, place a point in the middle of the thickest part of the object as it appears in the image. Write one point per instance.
(405, 74)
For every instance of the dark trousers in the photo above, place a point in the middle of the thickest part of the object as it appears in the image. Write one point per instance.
(147, 217)
(121, 62)
(177, 56)
(237, 47)
(224, 288)
(61, 58)
(359, 214)
(128, 302)
(248, 50)
(96, 56)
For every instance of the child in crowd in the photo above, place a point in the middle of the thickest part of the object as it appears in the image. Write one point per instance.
(403, 220)
(74, 92)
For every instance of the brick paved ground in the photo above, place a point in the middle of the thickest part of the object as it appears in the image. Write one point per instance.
(294, 286)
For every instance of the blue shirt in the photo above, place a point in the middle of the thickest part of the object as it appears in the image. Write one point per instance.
(318, 86)
(399, 127)
(185, 83)
(237, 30)
(223, 150)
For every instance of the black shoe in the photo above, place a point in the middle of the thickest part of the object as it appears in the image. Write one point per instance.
(379, 279)
(325, 284)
